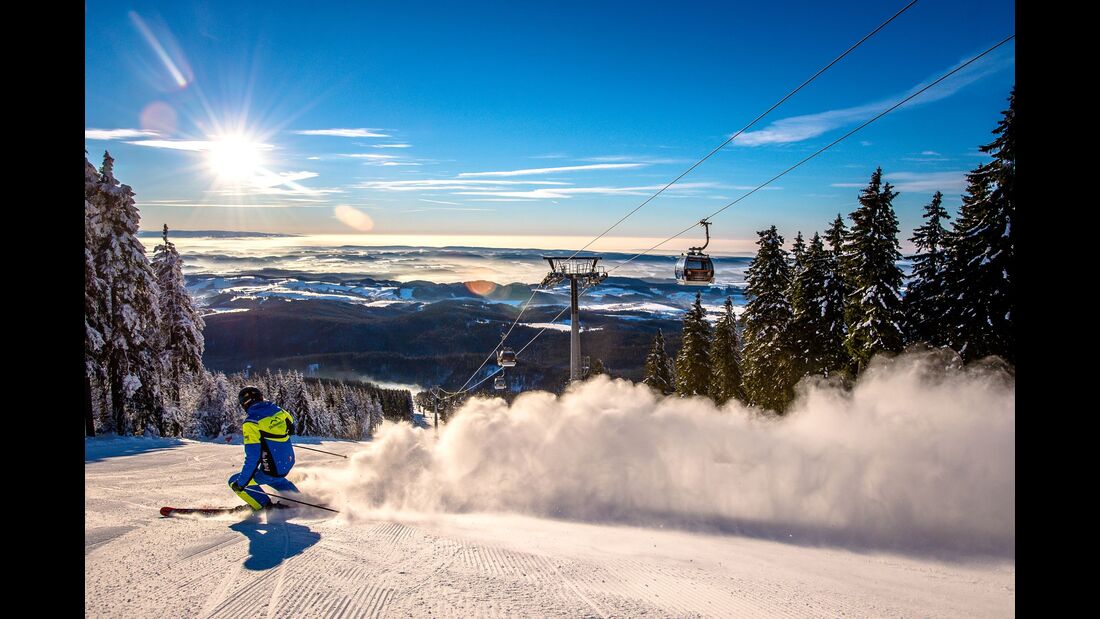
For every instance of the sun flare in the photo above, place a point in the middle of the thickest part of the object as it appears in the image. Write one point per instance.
(234, 158)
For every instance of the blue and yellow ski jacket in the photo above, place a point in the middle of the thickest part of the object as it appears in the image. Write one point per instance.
(267, 447)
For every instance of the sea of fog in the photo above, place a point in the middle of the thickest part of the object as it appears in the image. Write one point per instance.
(455, 262)
(437, 259)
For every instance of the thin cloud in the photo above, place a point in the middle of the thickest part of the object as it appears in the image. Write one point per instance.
(281, 178)
(568, 192)
(919, 181)
(368, 156)
(344, 133)
(439, 202)
(929, 181)
(926, 156)
(117, 134)
(395, 163)
(799, 128)
(221, 205)
(444, 184)
(572, 168)
(391, 145)
(635, 158)
(441, 208)
(191, 145)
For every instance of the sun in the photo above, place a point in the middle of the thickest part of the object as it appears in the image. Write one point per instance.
(234, 158)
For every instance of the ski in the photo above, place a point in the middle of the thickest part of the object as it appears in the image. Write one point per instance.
(214, 511)
(202, 511)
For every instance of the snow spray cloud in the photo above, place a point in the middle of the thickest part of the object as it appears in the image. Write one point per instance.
(914, 456)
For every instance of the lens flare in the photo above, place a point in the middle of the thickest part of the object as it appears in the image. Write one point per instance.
(160, 117)
(481, 287)
(354, 218)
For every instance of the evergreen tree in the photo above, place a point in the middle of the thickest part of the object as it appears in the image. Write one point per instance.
(834, 330)
(813, 340)
(923, 302)
(298, 403)
(181, 324)
(376, 416)
(693, 360)
(768, 376)
(216, 409)
(980, 273)
(96, 312)
(874, 310)
(725, 359)
(658, 367)
(798, 256)
(132, 351)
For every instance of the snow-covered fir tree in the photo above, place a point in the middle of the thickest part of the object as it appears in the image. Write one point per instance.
(298, 403)
(279, 390)
(874, 312)
(835, 331)
(725, 359)
(924, 302)
(376, 416)
(693, 360)
(798, 256)
(658, 367)
(96, 312)
(181, 324)
(132, 350)
(813, 339)
(798, 265)
(321, 411)
(216, 411)
(980, 274)
(768, 377)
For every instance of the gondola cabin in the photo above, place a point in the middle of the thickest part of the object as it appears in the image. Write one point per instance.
(694, 269)
(506, 358)
(499, 383)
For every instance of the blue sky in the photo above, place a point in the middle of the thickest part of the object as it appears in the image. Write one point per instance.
(517, 119)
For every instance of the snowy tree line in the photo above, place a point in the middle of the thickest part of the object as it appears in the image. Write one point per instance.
(826, 311)
(143, 343)
(321, 407)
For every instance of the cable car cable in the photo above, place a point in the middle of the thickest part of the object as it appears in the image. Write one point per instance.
(688, 171)
(748, 126)
(776, 177)
(822, 149)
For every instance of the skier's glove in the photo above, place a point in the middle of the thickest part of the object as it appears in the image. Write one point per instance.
(235, 487)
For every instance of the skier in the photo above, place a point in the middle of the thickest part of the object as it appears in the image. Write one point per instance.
(268, 453)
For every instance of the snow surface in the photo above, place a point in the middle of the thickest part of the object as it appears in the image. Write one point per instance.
(306, 564)
(563, 326)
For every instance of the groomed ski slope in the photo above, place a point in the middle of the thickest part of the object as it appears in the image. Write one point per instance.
(313, 564)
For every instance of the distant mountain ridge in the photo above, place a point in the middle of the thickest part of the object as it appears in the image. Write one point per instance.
(217, 234)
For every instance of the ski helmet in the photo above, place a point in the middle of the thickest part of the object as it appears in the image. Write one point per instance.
(249, 396)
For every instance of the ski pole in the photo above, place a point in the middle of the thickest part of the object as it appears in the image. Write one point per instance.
(319, 450)
(276, 496)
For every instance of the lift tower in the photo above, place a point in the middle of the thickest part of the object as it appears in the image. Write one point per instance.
(584, 270)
